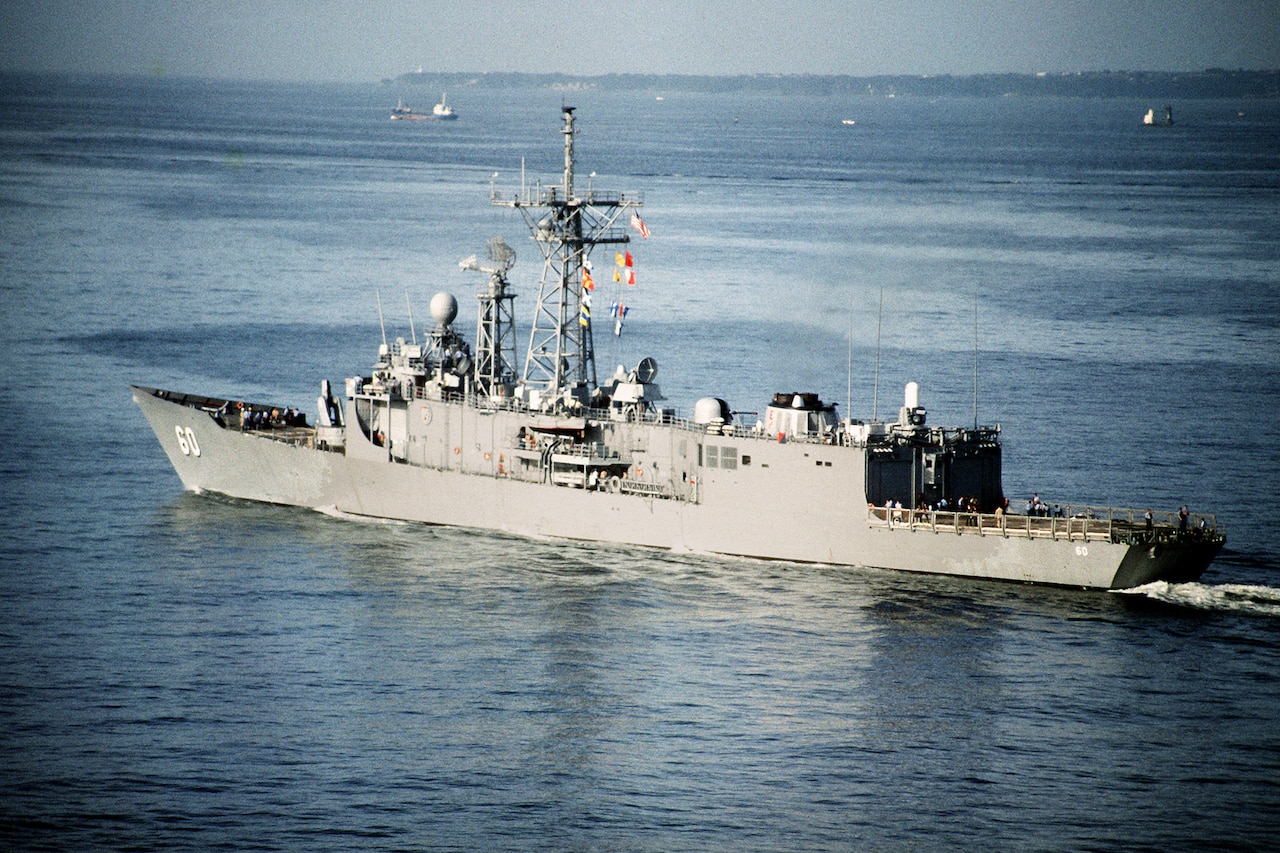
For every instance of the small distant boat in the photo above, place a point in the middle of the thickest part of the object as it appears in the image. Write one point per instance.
(849, 121)
(443, 111)
(440, 112)
(402, 113)
(1149, 120)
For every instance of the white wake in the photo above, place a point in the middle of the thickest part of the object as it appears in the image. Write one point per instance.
(334, 512)
(1245, 598)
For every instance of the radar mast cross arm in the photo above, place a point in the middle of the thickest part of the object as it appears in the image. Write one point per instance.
(560, 361)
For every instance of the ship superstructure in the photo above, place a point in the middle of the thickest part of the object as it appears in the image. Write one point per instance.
(444, 433)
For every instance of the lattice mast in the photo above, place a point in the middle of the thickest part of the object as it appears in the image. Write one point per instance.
(561, 355)
(495, 370)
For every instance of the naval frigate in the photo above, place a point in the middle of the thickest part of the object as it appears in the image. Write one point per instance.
(451, 433)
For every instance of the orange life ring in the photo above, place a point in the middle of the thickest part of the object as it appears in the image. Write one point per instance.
(487, 456)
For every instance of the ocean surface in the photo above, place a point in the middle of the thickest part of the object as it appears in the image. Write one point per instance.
(190, 672)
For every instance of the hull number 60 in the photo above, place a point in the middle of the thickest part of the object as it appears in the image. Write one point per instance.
(187, 441)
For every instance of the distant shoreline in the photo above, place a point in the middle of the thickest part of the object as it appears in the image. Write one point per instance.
(1210, 83)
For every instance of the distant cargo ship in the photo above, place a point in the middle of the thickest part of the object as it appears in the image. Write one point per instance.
(440, 112)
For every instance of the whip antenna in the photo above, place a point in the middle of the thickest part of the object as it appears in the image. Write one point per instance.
(875, 392)
(975, 359)
(381, 321)
(848, 373)
(409, 305)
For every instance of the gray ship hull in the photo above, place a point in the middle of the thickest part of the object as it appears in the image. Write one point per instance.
(452, 463)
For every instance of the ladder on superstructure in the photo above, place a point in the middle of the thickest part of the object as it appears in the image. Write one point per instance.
(566, 227)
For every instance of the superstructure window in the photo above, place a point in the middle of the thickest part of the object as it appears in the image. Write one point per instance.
(721, 457)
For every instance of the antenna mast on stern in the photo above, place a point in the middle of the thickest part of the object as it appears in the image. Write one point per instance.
(561, 363)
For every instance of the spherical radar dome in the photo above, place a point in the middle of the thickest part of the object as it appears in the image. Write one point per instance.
(444, 308)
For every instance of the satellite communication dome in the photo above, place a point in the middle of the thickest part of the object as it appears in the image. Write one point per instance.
(444, 308)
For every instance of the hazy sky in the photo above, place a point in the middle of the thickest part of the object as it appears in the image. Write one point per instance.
(362, 40)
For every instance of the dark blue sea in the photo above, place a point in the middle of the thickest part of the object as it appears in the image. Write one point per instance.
(185, 672)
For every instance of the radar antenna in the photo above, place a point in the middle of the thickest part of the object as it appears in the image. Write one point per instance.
(495, 371)
(566, 227)
(501, 256)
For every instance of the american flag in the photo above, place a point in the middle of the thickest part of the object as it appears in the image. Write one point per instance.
(638, 224)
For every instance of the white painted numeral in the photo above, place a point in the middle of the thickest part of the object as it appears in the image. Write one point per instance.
(1082, 550)
(187, 441)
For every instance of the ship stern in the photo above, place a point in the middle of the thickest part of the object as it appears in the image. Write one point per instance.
(1179, 560)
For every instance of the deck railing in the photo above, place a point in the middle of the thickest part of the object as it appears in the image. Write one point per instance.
(1079, 523)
